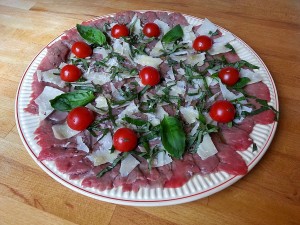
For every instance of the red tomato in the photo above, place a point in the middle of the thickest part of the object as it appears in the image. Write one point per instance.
(70, 73)
(229, 75)
(149, 76)
(81, 49)
(80, 118)
(119, 30)
(151, 30)
(125, 139)
(222, 111)
(202, 43)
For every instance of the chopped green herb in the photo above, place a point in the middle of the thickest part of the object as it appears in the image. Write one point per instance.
(230, 47)
(113, 165)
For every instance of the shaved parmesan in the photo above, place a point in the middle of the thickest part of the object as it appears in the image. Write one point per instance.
(179, 56)
(146, 60)
(115, 93)
(164, 27)
(63, 131)
(129, 110)
(218, 48)
(103, 154)
(254, 77)
(219, 44)
(137, 28)
(161, 159)
(101, 102)
(170, 74)
(209, 120)
(213, 98)
(158, 116)
(48, 76)
(102, 51)
(157, 50)
(189, 35)
(211, 81)
(211, 71)
(180, 71)
(241, 108)
(196, 94)
(189, 114)
(81, 145)
(206, 148)
(195, 128)
(207, 28)
(93, 108)
(178, 89)
(127, 165)
(226, 38)
(117, 46)
(196, 59)
(228, 95)
(153, 119)
(98, 77)
(126, 50)
(43, 101)
(160, 113)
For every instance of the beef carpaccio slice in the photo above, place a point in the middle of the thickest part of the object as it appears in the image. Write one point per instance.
(74, 162)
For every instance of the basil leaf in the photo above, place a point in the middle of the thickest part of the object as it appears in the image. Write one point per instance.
(243, 81)
(91, 34)
(71, 100)
(173, 35)
(173, 136)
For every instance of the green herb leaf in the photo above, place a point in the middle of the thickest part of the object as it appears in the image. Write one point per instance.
(113, 165)
(136, 122)
(71, 100)
(230, 47)
(242, 63)
(254, 147)
(213, 33)
(243, 81)
(173, 136)
(110, 114)
(173, 35)
(91, 34)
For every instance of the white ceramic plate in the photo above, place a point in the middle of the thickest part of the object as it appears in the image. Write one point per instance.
(197, 187)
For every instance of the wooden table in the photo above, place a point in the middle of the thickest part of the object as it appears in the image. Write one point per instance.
(269, 194)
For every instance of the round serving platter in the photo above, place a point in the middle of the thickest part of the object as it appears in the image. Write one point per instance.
(197, 187)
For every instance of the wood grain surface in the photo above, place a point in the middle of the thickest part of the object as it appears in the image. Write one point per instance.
(269, 194)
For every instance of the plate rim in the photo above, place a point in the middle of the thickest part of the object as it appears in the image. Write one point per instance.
(160, 202)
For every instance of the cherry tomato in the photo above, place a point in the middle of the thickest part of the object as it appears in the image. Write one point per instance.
(80, 118)
(229, 75)
(81, 49)
(149, 76)
(119, 30)
(222, 111)
(125, 139)
(70, 73)
(202, 43)
(151, 30)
